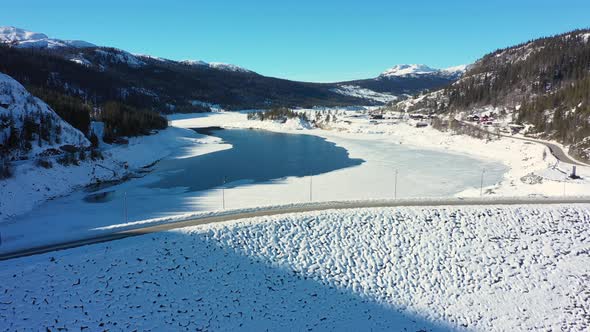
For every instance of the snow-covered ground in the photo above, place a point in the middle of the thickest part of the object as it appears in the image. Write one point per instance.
(477, 268)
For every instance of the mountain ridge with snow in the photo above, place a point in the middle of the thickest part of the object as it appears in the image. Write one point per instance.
(217, 65)
(145, 81)
(22, 38)
(415, 70)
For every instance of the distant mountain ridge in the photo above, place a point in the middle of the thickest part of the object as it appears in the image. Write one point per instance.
(144, 80)
(27, 39)
(416, 70)
(217, 65)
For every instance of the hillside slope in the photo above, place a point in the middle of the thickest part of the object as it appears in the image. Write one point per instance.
(28, 126)
(544, 83)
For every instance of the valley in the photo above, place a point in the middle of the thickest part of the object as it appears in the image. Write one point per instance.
(156, 188)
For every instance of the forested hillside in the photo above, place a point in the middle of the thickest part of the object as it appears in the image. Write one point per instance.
(545, 82)
(28, 127)
(99, 75)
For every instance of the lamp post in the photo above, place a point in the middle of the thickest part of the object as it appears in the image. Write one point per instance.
(223, 193)
(481, 184)
(395, 186)
(125, 206)
(310, 187)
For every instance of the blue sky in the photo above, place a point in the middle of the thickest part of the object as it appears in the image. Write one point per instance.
(303, 40)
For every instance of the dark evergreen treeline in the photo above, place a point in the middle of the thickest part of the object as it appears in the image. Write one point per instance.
(277, 114)
(518, 74)
(37, 128)
(567, 125)
(71, 109)
(124, 120)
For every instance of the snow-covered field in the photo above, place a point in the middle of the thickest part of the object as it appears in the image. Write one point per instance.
(479, 268)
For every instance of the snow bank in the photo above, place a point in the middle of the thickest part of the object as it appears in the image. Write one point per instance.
(478, 268)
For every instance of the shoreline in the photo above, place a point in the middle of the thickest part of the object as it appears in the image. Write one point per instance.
(33, 186)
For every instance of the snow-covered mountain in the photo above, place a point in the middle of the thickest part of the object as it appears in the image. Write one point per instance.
(21, 38)
(217, 65)
(417, 70)
(149, 82)
(28, 126)
(401, 81)
(27, 39)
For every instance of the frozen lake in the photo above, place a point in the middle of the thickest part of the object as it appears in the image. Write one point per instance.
(256, 156)
(262, 168)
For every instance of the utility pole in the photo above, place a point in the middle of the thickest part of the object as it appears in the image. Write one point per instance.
(223, 193)
(125, 206)
(481, 184)
(311, 187)
(395, 186)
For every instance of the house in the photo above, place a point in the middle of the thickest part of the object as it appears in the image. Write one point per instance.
(473, 117)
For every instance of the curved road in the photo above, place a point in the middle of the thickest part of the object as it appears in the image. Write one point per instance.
(241, 214)
(555, 149)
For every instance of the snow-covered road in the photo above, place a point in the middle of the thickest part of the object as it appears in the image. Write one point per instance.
(480, 268)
